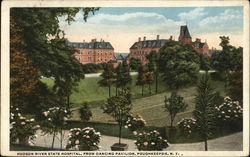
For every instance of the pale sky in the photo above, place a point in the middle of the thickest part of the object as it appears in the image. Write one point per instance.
(122, 26)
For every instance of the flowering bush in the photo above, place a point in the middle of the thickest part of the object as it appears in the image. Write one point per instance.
(135, 123)
(150, 141)
(187, 126)
(21, 127)
(229, 111)
(84, 139)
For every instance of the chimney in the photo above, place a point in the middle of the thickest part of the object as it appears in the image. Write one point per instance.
(157, 37)
(197, 40)
(171, 37)
(93, 40)
(144, 38)
(139, 39)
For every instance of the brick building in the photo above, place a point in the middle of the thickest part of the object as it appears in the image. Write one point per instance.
(142, 48)
(93, 52)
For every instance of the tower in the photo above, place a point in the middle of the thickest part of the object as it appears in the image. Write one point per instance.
(185, 37)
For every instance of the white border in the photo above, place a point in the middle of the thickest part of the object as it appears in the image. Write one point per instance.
(6, 5)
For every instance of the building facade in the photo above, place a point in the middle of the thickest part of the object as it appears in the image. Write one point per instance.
(93, 52)
(141, 48)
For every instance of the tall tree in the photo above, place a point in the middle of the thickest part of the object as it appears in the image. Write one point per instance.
(122, 75)
(149, 80)
(42, 42)
(153, 66)
(179, 64)
(108, 77)
(141, 78)
(134, 64)
(119, 108)
(228, 60)
(205, 63)
(204, 110)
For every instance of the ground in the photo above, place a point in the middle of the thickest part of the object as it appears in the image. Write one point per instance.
(231, 142)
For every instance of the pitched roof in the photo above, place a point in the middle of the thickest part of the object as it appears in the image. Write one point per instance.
(149, 44)
(121, 56)
(91, 45)
(184, 32)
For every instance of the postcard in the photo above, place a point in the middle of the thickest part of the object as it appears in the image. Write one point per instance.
(125, 78)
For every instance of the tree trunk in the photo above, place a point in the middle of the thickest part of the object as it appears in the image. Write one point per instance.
(120, 133)
(205, 141)
(61, 140)
(109, 91)
(156, 82)
(53, 140)
(68, 101)
(149, 88)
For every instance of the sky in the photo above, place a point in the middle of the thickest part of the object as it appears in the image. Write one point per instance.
(123, 26)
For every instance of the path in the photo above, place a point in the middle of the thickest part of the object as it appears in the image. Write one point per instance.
(232, 142)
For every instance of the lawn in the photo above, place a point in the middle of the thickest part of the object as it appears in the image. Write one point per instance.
(150, 107)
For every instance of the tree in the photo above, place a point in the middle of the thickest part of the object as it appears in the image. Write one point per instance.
(122, 75)
(85, 112)
(174, 105)
(228, 60)
(141, 78)
(108, 77)
(204, 110)
(35, 35)
(235, 90)
(205, 63)
(119, 107)
(149, 80)
(179, 64)
(134, 64)
(153, 66)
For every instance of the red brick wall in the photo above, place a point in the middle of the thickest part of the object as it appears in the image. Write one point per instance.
(141, 53)
(94, 55)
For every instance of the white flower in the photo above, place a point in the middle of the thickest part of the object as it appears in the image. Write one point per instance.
(140, 134)
(32, 119)
(19, 114)
(129, 124)
(135, 141)
(65, 111)
(23, 123)
(49, 119)
(126, 126)
(160, 137)
(152, 143)
(65, 118)
(87, 131)
(22, 117)
(17, 109)
(145, 143)
(94, 144)
(45, 114)
(135, 132)
(229, 110)
(222, 112)
(77, 142)
(69, 142)
(37, 126)
(35, 136)
(87, 137)
(98, 133)
(77, 133)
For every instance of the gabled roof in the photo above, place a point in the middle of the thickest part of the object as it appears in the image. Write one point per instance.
(121, 56)
(149, 44)
(91, 45)
(184, 32)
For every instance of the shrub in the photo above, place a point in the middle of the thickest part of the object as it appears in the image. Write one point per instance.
(151, 141)
(229, 113)
(85, 139)
(135, 123)
(85, 112)
(187, 126)
(20, 127)
(217, 76)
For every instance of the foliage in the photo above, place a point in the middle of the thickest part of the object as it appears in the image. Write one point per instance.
(235, 90)
(85, 112)
(187, 126)
(151, 141)
(135, 123)
(149, 80)
(21, 127)
(174, 105)
(229, 112)
(122, 75)
(179, 64)
(141, 78)
(87, 138)
(134, 64)
(108, 76)
(38, 48)
(119, 107)
(153, 66)
(92, 68)
(205, 62)
(204, 111)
